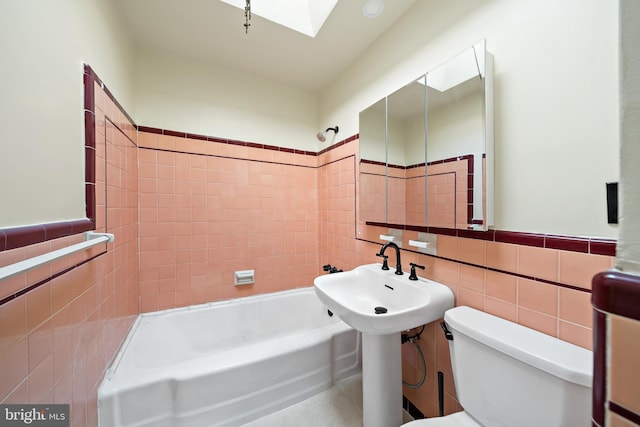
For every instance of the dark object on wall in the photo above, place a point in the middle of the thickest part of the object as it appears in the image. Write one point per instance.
(612, 202)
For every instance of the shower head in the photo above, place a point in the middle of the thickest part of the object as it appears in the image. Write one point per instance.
(322, 135)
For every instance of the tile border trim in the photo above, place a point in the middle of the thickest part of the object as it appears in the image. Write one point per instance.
(241, 143)
(618, 293)
(599, 392)
(588, 245)
(624, 412)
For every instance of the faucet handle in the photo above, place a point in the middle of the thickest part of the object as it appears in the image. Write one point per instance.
(385, 265)
(413, 275)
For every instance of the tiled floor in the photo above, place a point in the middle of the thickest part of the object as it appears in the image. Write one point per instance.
(340, 406)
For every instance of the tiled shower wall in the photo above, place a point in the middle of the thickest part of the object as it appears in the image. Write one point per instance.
(210, 208)
(61, 324)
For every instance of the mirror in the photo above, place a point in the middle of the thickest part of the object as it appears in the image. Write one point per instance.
(441, 123)
(373, 163)
(392, 161)
(407, 155)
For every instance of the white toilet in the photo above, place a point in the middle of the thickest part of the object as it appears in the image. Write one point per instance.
(507, 375)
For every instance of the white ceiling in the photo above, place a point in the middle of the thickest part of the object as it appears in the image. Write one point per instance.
(212, 31)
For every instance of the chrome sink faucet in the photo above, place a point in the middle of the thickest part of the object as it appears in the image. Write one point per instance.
(384, 264)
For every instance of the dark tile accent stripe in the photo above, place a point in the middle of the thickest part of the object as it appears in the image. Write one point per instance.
(468, 157)
(599, 392)
(594, 246)
(527, 239)
(417, 165)
(196, 136)
(23, 236)
(617, 293)
(89, 95)
(602, 247)
(58, 230)
(175, 133)
(566, 243)
(372, 162)
(452, 159)
(488, 235)
(242, 143)
(339, 144)
(624, 413)
(149, 130)
(17, 237)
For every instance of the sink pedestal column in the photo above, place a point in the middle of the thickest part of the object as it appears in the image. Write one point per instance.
(381, 380)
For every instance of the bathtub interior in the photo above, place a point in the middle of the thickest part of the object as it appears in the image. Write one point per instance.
(224, 363)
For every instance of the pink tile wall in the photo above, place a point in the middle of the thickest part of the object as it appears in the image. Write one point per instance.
(542, 288)
(337, 185)
(442, 200)
(373, 182)
(396, 196)
(208, 209)
(416, 209)
(57, 340)
(404, 192)
(449, 193)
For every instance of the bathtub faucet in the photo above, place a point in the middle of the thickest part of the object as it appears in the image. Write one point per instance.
(397, 249)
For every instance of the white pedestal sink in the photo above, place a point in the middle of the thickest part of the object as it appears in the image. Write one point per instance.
(380, 304)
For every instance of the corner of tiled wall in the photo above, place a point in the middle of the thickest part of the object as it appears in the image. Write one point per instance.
(57, 339)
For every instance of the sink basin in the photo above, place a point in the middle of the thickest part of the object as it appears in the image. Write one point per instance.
(379, 302)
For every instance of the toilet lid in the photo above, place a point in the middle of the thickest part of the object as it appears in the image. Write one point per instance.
(459, 419)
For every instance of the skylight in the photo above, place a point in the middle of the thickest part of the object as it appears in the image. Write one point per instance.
(304, 16)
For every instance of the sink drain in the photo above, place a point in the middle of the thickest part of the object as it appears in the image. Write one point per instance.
(380, 310)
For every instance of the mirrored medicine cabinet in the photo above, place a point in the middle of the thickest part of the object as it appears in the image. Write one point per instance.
(426, 150)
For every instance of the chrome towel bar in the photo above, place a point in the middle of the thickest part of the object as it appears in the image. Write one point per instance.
(91, 239)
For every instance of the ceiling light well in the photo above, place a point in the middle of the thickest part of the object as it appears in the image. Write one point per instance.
(372, 8)
(303, 16)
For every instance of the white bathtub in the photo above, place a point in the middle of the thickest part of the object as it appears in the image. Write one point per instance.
(226, 363)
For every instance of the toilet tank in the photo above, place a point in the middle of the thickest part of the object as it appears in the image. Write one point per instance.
(507, 375)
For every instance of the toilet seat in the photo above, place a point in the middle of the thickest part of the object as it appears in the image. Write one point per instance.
(459, 419)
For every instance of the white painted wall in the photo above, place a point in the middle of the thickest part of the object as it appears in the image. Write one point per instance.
(556, 99)
(628, 256)
(372, 123)
(457, 129)
(44, 45)
(178, 94)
